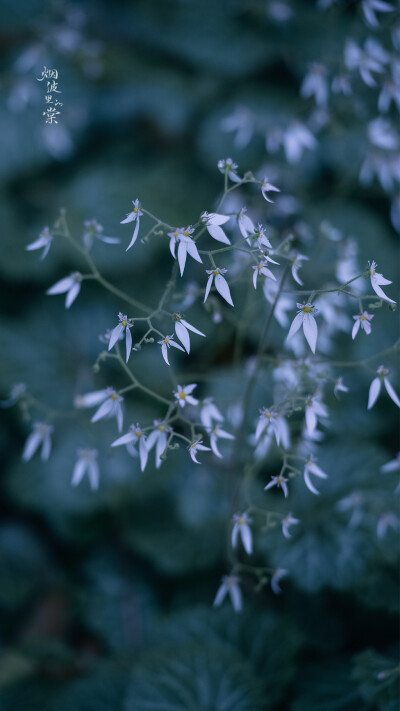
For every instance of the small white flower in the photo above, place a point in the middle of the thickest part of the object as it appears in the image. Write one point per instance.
(184, 395)
(386, 521)
(340, 387)
(258, 239)
(262, 268)
(279, 481)
(209, 412)
(117, 332)
(370, 7)
(229, 586)
(314, 409)
(376, 385)
(40, 436)
(110, 405)
(295, 139)
(266, 188)
(195, 447)
(275, 580)
(71, 285)
(166, 343)
(159, 438)
(241, 528)
(221, 284)
(287, 522)
(43, 241)
(216, 433)
(182, 329)
(392, 466)
(213, 222)
(186, 245)
(271, 421)
(86, 462)
(229, 167)
(246, 224)
(362, 320)
(305, 318)
(133, 216)
(134, 435)
(377, 280)
(95, 231)
(315, 84)
(311, 467)
(296, 265)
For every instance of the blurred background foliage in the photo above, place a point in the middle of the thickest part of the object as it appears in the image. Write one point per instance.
(105, 597)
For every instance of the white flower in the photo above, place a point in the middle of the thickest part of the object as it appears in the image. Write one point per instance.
(275, 579)
(315, 84)
(209, 412)
(229, 586)
(71, 285)
(241, 528)
(305, 318)
(110, 404)
(262, 268)
(86, 462)
(166, 343)
(376, 281)
(133, 216)
(134, 435)
(295, 139)
(213, 221)
(242, 122)
(392, 466)
(229, 167)
(386, 521)
(340, 387)
(311, 467)
(95, 231)
(195, 447)
(184, 395)
(246, 224)
(117, 332)
(314, 409)
(286, 522)
(258, 239)
(181, 236)
(284, 303)
(221, 284)
(266, 187)
(43, 241)
(159, 438)
(297, 264)
(40, 436)
(182, 329)
(370, 7)
(376, 385)
(279, 481)
(272, 421)
(215, 433)
(362, 320)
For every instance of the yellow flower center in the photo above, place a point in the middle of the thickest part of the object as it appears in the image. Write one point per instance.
(307, 309)
(113, 397)
(161, 428)
(124, 323)
(135, 209)
(242, 521)
(215, 272)
(362, 318)
(186, 233)
(138, 434)
(373, 272)
(182, 395)
(266, 414)
(260, 266)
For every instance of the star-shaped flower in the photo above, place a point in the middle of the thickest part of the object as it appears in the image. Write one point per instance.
(181, 237)
(135, 435)
(305, 318)
(166, 343)
(241, 528)
(376, 385)
(133, 216)
(377, 280)
(86, 462)
(195, 447)
(362, 320)
(70, 285)
(221, 284)
(43, 241)
(117, 332)
(213, 222)
(184, 395)
(266, 188)
(280, 482)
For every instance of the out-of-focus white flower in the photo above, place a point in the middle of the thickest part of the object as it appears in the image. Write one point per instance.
(215, 434)
(284, 303)
(315, 84)
(213, 223)
(182, 329)
(184, 395)
(242, 122)
(270, 420)
(242, 529)
(296, 138)
(386, 521)
(266, 188)
(259, 240)
(40, 436)
(195, 447)
(229, 586)
(287, 522)
(117, 332)
(382, 134)
(262, 268)
(221, 284)
(42, 242)
(86, 462)
(279, 481)
(276, 577)
(296, 265)
(305, 318)
(341, 84)
(94, 231)
(110, 404)
(209, 412)
(311, 467)
(362, 320)
(166, 343)
(135, 435)
(376, 385)
(159, 438)
(246, 224)
(340, 387)
(371, 7)
(70, 285)
(133, 216)
(376, 281)
(16, 392)
(314, 408)
(370, 59)
(392, 466)
(186, 245)
(229, 167)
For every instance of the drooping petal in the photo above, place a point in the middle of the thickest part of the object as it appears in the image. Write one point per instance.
(128, 218)
(31, 445)
(72, 294)
(236, 597)
(311, 420)
(176, 345)
(60, 287)
(182, 253)
(182, 333)
(93, 472)
(245, 534)
(222, 287)
(128, 343)
(296, 324)
(374, 391)
(79, 470)
(308, 482)
(310, 330)
(192, 250)
(115, 334)
(377, 289)
(143, 453)
(119, 414)
(355, 328)
(125, 439)
(235, 531)
(221, 592)
(214, 445)
(391, 392)
(164, 352)
(255, 275)
(192, 328)
(134, 236)
(160, 448)
(208, 287)
(46, 448)
(218, 233)
(104, 410)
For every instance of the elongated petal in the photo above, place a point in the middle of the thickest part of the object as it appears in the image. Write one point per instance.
(218, 233)
(79, 470)
(31, 445)
(377, 289)
(380, 279)
(125, 439)
(115, 334)
(374, 391)
(134, 236)
(108, 240)
(261, 425)
(391, 392)
(46, 448)
(308, 482)
(208, 287)
(60, 287)
(295, 275)
(93, 472)
(72, 294)
(176, 345)
(367, 327)
(128, 343)
(255, 275)
(172, 246)
(296, 323)
(164, 352)
(222, 287)
(315, 469)
(92, 399)
(103, 410)
(217, 219)
(128, 218)
(236, 597)
(355, 329)
(182, 256)
(160, 448)
(225, 435)
(214, 446)
(143, 453)
(245, 534)
(192, 328)
(311, 420)
(221, 592)
(152, 439)
(235, 532)
(37, 244)
(192, 249)
(182, 333)
(310, 329)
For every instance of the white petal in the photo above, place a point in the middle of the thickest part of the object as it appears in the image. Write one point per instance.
(296, 323)
(208, 287)
(245, 534)
(115, 334)
(222, 287)
(255, 275)
(128, 343)
(311, 420)
(31, 445)
(93, 472)
(160, 448)
(125, 439)
(218, 233)
(377, 289)
(392, 393)
(236, 597)
(181, 332)
(79, 470)
(176, 345)
(235, 531)
(134, 236)
(129, 218)
(172, 246)
(103, 410)
(72, 294)
(91, 399)
(216, 219)
(355, 329)
(192, 249)
(261, 425)
(119, 415)
(310, 329)
(214, 446)
(221, 592)
(46, 448)
(164, 352)
(192, 328)
(60, 287)
(152, 439)
(143, 453)
(308, 483)
(315, 469)
(374, 391)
